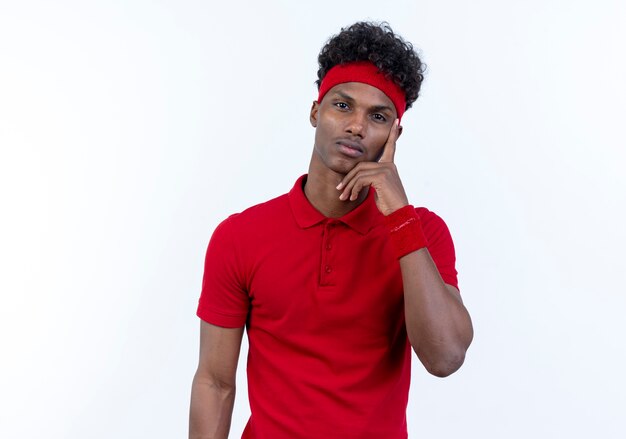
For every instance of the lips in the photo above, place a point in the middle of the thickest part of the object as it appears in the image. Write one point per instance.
(350, 148)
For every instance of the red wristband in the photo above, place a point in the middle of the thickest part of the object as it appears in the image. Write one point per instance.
(405, 231)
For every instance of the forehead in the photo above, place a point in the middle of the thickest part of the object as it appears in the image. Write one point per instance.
(363, 94)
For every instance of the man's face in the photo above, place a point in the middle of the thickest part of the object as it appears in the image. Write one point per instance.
(352, 123)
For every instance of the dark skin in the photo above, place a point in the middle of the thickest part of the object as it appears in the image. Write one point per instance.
(362, 119)
(355, 142)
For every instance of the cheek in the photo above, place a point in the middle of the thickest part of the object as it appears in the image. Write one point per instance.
(380, 142)
(325, 129)
(319, 136)
(378, 154)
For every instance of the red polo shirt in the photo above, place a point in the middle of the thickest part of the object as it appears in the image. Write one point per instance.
(322, 301)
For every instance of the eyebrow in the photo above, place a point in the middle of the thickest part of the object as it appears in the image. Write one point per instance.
(349, 98)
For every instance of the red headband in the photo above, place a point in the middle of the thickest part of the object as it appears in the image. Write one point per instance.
(367, 73)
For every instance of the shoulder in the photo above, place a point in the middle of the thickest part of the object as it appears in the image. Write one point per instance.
(436, 230)
(440, 245)
(431, 221)
(241, 232)
(260, 215)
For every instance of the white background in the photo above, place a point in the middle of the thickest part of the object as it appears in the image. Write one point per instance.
(129, 129)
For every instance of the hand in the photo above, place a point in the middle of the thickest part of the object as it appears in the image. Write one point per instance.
(382, 176)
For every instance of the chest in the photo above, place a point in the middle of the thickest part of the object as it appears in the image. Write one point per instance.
(325, 278)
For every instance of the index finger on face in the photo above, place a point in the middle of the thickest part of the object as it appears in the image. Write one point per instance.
(389, 150)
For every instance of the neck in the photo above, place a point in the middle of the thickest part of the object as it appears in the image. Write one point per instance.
(321, 191)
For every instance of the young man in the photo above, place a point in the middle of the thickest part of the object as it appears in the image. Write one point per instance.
(338, 279)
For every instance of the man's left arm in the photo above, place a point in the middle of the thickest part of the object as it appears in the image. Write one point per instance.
(438, 325)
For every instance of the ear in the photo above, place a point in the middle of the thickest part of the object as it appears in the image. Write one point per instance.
(400, 129)
(313, 116)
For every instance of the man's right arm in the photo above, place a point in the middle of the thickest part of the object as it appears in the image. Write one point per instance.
(213, 389)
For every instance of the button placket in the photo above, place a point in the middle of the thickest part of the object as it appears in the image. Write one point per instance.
(326, 268)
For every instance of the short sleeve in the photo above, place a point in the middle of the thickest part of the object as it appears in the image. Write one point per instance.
(440, 245)
(224, 300)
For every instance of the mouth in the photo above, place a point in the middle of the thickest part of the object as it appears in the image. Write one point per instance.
(350, 148)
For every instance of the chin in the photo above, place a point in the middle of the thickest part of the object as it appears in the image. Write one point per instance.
(342, 166)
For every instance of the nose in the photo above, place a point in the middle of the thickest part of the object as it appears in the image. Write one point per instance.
(356, 124)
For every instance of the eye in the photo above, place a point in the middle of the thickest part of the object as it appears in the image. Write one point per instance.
(342, 105)
(379, 117)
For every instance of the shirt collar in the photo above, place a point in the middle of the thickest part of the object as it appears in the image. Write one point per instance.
(362, 219)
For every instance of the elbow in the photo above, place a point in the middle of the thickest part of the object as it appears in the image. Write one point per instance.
(444, 364)
(443, 359)
(444, 369)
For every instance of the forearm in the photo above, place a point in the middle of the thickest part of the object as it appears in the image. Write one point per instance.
(438, 325)
(211, 409)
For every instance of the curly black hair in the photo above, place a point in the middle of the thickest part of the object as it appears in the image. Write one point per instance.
(377, 43)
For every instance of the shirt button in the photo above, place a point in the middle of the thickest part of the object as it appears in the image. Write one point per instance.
(328, 269)
(328, 246)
